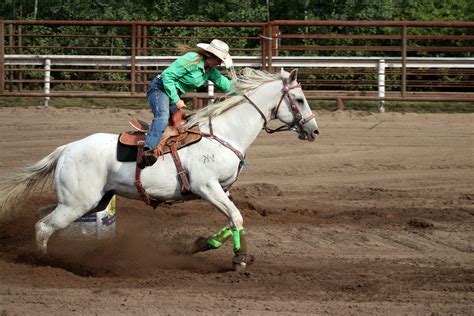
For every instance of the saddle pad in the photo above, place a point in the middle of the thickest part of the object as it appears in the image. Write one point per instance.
(126, 153)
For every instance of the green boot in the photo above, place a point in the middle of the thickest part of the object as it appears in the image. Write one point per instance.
(241, 257)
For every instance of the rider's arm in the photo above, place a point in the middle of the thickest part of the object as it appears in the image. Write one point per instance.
(222, 82)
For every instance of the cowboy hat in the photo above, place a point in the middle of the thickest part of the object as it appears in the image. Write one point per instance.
(219, 49)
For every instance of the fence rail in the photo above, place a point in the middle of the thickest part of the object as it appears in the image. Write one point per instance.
(370, 60)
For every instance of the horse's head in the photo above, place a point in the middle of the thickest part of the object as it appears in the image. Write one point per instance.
(293, 108)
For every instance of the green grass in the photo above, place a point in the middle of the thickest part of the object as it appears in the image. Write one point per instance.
(141, 103)
(88, 103)
(393, 106)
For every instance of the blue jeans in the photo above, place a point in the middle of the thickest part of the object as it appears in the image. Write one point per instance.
(160, 106)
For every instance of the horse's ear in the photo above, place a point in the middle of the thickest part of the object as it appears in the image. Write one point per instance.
(283, 72)
(293, 75)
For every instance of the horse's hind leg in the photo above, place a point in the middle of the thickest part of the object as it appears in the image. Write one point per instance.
(61, 217)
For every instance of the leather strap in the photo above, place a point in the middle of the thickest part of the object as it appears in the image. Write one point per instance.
(211, 131)
(223, 142)
(298, 119)
(185, 186)
(138, 183)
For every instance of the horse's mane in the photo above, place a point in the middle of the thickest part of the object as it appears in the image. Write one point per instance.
(248, 79)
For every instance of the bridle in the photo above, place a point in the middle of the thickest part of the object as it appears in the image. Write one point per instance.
(298, 120)
(297, 124)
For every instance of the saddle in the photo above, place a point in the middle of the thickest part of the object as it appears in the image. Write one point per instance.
(130, 144)
(172, 136)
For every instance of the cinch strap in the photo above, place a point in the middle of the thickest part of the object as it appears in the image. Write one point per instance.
(138, 182)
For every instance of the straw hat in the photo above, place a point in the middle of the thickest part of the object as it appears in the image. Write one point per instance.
(219, 49)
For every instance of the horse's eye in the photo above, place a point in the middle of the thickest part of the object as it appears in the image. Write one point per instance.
(300, 100)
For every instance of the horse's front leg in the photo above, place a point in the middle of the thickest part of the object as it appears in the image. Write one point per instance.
(214, 194)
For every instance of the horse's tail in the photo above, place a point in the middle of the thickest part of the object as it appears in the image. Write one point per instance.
(20, 184)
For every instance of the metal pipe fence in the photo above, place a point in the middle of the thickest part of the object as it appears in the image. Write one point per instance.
(372, 60)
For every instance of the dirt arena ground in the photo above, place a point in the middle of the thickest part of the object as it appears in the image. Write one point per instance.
(375, 217)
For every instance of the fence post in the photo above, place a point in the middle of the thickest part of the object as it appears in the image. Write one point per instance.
(404, 61)
(20, 50)
(381, 77)
(210, 91)
(133, 59)
(263, 44)
(47, 80)
(11, 50)
(267, 45)
(144, 53)
(2, 57)
(138, 43)
(276, 39)
(340, 104)
(270, 47)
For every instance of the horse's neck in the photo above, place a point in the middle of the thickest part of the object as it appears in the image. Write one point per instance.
(241, 125)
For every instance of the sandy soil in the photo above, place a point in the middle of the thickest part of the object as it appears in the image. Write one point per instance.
(375, 217)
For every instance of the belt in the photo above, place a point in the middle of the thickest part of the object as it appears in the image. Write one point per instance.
(177, 90)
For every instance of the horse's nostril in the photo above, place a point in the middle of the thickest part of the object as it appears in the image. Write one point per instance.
(316, 132)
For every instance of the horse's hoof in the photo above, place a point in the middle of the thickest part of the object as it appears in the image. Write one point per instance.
(241, 262)
(240, 267)
(200, 245)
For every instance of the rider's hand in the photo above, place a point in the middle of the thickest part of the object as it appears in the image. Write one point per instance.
(180, 104)
(177, 118)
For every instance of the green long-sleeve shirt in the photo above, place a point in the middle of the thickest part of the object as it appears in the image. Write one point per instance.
(187, 73)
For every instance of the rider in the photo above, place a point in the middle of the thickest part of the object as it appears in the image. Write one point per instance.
(188, 72)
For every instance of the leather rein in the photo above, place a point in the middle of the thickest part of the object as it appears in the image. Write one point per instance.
(298, 117)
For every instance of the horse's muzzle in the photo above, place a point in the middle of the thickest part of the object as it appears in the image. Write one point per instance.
(310, 136)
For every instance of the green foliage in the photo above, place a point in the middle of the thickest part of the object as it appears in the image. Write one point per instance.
(393, 106)
(383, 10)
(115, 40)
(138, 10)
(318, 105)
(238, 10)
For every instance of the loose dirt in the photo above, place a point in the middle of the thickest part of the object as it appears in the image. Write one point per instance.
(375, 217)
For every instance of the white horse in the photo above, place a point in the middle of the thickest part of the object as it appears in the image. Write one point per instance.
(87, 173)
